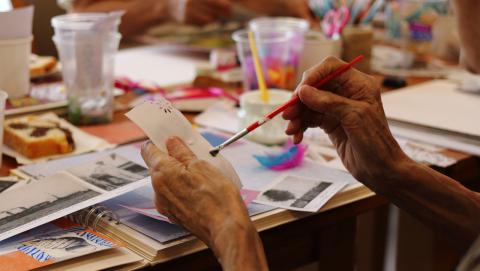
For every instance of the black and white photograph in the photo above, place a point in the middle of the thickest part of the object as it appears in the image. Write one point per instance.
(4, 185)
(299, 193)
(40, 199)
(110, 172)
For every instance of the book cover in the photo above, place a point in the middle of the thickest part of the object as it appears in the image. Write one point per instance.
(51, 243)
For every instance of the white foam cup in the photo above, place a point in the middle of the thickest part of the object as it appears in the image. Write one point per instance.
(252, 108)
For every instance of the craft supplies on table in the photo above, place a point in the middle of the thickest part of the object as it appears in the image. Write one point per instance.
(350, 23)
(336, 15)
(334, 22)
(411, 23)
(258, 68)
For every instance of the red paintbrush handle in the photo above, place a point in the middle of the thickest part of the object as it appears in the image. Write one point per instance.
(282, 108)
(338, 71)
(295, 99)
(272, 114)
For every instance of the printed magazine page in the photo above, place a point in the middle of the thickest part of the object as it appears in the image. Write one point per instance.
(51, 243)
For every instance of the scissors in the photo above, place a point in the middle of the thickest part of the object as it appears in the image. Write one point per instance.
(334, 22)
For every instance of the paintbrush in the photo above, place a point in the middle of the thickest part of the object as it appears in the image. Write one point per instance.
(282, 108)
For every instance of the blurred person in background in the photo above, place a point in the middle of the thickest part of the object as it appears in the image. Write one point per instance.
(467, 13)
(142, 14)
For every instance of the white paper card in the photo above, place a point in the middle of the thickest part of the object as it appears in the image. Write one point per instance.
(299, 193)
(160, 121)
(436, 104)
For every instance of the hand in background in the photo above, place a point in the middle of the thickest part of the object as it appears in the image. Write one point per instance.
(296, 8)
(199, 12)
(292, 8)
(349, 110)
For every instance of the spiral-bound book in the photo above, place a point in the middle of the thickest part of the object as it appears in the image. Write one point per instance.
(68, 191)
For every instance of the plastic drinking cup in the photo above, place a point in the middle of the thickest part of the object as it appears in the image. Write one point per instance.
(274, 52)
(14, 66)
(87, 44)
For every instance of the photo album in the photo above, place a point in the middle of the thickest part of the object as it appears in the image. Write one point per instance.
(68, 191)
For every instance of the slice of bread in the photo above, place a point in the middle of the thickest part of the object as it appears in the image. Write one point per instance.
(40, 65)
(34, 137)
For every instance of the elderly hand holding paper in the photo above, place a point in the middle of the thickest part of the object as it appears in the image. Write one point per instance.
(349, 110)
(195, 194)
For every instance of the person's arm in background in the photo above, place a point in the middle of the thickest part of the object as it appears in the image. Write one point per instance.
(141, 14)
(350, 111)
(467, 13)
(294, 8)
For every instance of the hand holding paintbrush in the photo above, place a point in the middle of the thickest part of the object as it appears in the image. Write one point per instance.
(282, 108)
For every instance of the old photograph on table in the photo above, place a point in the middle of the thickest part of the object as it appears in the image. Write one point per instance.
(110, 172)
(40, 199)
(5, 185)
(299, 193)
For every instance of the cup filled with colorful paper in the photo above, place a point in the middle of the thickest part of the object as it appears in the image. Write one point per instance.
(298, 26)
(278, 62)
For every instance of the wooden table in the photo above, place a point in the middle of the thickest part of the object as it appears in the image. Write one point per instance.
(336, 238)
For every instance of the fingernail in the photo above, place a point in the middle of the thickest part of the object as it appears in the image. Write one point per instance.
(174, 139)
(146, 144)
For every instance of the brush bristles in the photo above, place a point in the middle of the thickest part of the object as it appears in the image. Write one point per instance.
(214, 152)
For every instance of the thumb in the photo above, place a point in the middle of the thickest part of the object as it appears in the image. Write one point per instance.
(325, 102)
(178, 150)
(156, 159)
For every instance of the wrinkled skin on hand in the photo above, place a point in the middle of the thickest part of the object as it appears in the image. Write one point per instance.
(349, 110)
(187, 187)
